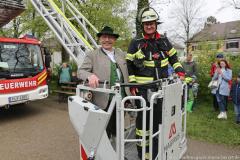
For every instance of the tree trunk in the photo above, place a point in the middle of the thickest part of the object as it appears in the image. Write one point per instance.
(15, 28)
(141, 4)
(65, 55)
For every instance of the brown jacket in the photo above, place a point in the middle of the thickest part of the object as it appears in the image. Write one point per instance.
(98, 63)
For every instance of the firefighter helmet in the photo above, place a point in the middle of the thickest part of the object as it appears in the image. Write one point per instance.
(149, 15)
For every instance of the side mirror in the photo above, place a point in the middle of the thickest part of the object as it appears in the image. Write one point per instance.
(48, 58)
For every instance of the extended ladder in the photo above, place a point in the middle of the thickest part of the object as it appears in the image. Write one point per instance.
(66, 21)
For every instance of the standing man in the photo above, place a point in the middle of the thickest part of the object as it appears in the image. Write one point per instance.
(105, 63)
(147, 59)
(190, 66)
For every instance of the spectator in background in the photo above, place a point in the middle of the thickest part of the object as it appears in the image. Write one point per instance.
(190, 66)
(223, 74)
(65, 73)
(75, 78)
(235, 93)
(214, 66)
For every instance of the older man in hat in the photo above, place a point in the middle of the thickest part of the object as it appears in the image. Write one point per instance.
(105, 63)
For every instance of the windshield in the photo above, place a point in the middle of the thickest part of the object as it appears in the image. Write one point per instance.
(20, 58)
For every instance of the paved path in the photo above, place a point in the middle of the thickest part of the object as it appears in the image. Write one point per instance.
(42, 130)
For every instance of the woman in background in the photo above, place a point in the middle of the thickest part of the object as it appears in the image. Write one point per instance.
(223, 74)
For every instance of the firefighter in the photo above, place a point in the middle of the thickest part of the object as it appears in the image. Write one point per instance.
(147, 60)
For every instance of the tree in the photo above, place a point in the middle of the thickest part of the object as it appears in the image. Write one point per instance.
(27, 23)
(186, 15)
(112, 13)
(141, 4)
(232, 3)
(211, 20)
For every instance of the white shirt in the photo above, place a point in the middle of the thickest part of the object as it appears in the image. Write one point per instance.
(110, 54)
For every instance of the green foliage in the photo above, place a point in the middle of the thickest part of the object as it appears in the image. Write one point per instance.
(202, 124)
(112, 13)
(123, 44)
(29, 22)
(33, 23)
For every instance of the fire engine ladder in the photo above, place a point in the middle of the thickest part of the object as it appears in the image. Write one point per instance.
(69, 26)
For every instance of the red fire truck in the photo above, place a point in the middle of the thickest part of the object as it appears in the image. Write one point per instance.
(23, 75)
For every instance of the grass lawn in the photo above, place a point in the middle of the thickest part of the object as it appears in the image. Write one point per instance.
(202, 124)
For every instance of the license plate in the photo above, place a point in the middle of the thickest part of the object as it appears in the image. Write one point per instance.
(18, 98)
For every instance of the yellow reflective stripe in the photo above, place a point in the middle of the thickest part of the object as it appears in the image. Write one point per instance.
(139, 132)
(139, 54)
(164, 62)
(39, 82)
(188, 79)
(146, 155)
(172, 52)
(130, 56)
(141, 144)
(70, 24)
(132, 78)
(149, 63)
(178, 64)
(40, 77)
(143, 79)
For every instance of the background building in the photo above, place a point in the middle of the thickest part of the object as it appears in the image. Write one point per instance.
(221, 37)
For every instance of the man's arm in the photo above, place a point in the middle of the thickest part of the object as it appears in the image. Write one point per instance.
(132, 49)
(173, 58)
(85, 70)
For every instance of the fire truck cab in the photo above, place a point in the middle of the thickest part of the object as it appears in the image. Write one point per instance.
(23, 75)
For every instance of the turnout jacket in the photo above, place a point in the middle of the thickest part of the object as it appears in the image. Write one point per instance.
(148, 59)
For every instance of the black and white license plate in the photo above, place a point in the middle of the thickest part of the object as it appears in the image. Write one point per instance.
(18, 98)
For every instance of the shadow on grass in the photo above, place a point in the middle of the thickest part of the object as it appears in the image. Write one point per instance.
(202, 124)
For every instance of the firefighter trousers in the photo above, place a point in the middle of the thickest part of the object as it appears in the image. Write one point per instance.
(157, 119)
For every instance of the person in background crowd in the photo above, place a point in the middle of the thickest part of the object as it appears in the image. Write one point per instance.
(65, 73)
(223, 74)
(190, 66)
(214, 66)
(235, 93)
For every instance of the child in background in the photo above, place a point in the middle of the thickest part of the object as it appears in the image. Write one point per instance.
(235, 93)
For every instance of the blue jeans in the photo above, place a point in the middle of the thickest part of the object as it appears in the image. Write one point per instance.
(222, 102)
(237, 111)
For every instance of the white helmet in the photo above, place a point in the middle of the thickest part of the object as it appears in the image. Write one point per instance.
(149, 15)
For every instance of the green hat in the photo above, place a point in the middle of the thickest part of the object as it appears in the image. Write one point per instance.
(108, 31)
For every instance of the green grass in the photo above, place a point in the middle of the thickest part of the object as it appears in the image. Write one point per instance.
(202, 124)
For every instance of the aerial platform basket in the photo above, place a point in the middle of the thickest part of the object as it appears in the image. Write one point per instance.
(90, 123)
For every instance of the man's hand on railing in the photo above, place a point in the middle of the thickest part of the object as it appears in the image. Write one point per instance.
(93, 81)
